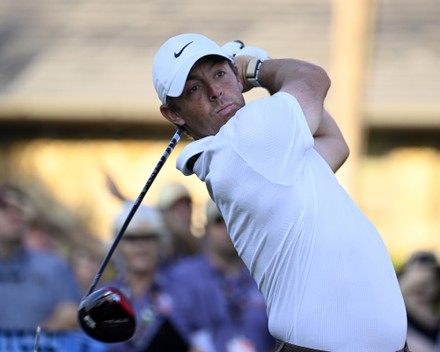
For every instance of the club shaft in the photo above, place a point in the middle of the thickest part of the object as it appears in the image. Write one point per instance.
(37, 339)
(134, 208)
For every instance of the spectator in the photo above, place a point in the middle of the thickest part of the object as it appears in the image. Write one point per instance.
(85, 263)
(36, 288)
(39, 235)
(138, 275)
(218, 304)
(420, 284)
(175, 204)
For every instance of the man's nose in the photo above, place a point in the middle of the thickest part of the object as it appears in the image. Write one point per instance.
(215, 91)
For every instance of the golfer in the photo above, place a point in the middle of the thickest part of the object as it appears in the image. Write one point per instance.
(322, 267)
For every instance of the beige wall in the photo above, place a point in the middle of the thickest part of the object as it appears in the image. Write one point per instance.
(401, 193)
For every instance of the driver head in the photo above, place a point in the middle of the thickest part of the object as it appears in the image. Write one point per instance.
(106, 315)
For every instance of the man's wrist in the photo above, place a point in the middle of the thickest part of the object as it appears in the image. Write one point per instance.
(241, 63)
(252, 71)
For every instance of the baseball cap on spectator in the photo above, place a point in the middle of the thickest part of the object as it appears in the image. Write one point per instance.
(145, 222)
(15, 198)
(171, 193)
(11, 196)
(176, 57)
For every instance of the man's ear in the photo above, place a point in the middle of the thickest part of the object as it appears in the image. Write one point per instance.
(171, 115)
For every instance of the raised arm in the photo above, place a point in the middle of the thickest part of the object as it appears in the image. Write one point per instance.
(309, 84)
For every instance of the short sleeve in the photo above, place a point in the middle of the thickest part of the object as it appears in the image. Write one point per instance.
(272, 135)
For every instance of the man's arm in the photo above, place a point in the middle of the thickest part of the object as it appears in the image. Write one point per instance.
(330, 143)
(64, 317)
(309, 84)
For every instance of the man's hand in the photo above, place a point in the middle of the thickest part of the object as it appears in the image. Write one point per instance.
(242, 55)
(241, 62)
(232, 48)
(64, 317)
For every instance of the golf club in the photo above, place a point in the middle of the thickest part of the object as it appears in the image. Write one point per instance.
(106, 314)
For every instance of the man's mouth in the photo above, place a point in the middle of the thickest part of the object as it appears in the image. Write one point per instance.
(226, 110)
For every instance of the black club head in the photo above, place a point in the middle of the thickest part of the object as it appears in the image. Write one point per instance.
(106, 315)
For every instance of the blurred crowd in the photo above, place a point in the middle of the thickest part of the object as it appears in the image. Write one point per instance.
(198, 284)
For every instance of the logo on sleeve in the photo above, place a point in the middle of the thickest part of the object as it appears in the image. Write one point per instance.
(176, 55)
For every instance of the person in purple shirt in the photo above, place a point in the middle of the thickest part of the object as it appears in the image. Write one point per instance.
(216, 301)
(139, 276)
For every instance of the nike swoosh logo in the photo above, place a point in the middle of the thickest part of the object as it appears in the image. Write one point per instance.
(176, 55)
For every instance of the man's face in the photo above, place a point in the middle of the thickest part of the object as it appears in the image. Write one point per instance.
(219, 240)
(180, 213)
(140, 253)
(212, 95)
(12, 219)
(420, 284)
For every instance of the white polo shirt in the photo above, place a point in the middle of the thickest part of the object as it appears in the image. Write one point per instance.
(322, 267)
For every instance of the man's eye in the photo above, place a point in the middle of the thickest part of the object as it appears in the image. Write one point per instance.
(221, 73)
(192, 89)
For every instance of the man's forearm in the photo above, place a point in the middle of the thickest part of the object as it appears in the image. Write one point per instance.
(280, 74)
(64, 317)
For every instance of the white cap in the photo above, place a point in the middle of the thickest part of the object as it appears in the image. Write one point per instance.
(146, 221)
(171, 193)
(176, 57)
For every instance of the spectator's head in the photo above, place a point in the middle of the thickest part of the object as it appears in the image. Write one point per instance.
(216, 234)
(15, 213)
(173, 193)
(419, 278)
(175, 202)
(140, 245)
(86, 258)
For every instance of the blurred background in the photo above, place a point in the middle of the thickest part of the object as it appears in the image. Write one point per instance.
(77, 102)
